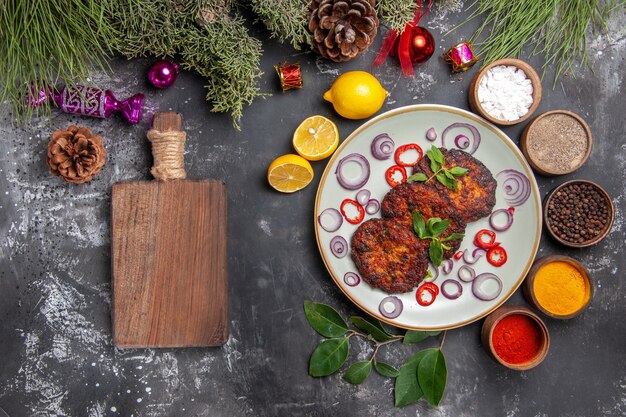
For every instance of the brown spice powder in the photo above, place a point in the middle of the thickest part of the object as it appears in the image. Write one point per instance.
(557, 143)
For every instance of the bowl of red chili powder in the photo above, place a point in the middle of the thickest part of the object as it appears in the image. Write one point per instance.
(515, 337)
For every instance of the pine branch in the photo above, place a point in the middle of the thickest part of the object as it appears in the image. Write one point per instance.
(285, 19)
(229, 58)
(555, 29)
(207, 38)
(396, 13)
(49, 42)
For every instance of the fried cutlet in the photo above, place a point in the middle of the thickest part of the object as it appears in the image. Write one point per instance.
(403, 199)
(389, 255)
(476, 194)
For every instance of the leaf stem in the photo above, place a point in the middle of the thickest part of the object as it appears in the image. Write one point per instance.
(355, 333)
(443, 339)
(377, 345)
(434, 175)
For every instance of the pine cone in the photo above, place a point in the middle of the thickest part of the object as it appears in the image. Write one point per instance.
(342, 29)
(75, 154)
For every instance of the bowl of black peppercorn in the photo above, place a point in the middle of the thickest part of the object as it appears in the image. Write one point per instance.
(578, 213)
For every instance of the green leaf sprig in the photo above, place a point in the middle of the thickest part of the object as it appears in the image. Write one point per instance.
(445, 176)
(432, 229)
(424, 375)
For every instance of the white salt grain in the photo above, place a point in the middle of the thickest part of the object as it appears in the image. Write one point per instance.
(505, 92)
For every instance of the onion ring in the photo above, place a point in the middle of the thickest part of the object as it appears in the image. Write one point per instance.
(466, 273)
(447, 266)
(339, 246)
(516, 186)
(356, 182)
(431, 134)
(351, 279)
(506, 225)
(397, 307)
(330, 220)
(363, 196)
(382, 147)
(472, 258)
(468, 126)
(372, 206)
(479, 282)
(451, 294)
(461, 141)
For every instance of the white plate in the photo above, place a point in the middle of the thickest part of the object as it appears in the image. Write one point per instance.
(409, 125)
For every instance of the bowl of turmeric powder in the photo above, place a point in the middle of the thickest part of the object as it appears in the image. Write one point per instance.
(558, 286)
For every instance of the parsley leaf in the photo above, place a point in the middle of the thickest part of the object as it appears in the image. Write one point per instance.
(440, 227)
(419, 177)
(458, 171)
(418, 225)
(435, 252)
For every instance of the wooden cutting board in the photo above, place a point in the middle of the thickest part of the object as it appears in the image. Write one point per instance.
(169, 259)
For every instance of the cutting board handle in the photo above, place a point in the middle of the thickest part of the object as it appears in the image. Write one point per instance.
(168, 146)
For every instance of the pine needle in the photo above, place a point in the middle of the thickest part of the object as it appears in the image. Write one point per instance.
(206, 37)
(555, 29)
(48, 42)
(285, 19)
(396, 13)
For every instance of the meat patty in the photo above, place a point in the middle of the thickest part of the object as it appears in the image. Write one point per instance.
(389, 255)
(403, 199)
(476, 194)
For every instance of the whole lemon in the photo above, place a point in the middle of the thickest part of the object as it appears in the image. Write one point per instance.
(356, 95)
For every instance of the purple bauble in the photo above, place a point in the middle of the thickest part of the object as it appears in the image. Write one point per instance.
(162, 73)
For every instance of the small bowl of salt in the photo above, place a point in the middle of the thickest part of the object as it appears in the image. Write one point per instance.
(505, 92)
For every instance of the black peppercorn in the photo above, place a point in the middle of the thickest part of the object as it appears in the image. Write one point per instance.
(577, 213)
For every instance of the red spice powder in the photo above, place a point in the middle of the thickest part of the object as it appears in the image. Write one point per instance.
(517, 339)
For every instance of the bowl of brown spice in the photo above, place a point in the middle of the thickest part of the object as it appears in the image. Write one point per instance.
(578, 213)
(556, 142)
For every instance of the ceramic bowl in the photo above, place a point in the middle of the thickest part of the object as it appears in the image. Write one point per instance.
(528, 287)
(533, 158)
(530, 73)
(586, 243)
(494, 318)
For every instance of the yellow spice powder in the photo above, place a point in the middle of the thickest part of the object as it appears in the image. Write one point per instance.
(560, 288)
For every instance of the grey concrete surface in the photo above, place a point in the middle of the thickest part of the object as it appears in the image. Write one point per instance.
(56, 352)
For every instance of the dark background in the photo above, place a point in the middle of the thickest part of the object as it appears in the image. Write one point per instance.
(56, 352)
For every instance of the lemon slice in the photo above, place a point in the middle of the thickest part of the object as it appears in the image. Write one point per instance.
(316, 138)
(289, 173)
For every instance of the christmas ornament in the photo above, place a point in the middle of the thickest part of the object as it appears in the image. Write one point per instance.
(75, 154)
(414, 46)
(89, 101)
(290, 75)
(421, 44)
(342, 29)
(163, 73)
(461, 57)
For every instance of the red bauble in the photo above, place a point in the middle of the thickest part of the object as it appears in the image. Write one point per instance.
(422, 45)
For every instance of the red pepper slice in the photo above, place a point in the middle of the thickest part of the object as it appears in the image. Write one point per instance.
(392, 172)
(429, 287)
(497, 256)
(480, 241)
(360, 211)
(404, 148)
(458, 255)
